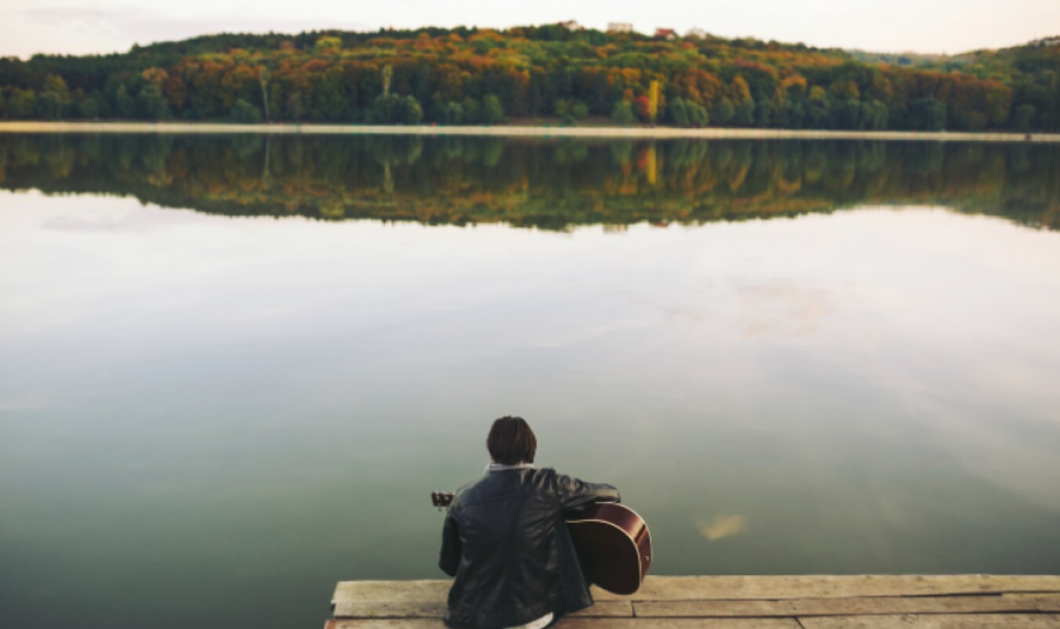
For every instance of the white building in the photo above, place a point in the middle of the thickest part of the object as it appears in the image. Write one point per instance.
(572, 25)
(697, 32)
(619, 27)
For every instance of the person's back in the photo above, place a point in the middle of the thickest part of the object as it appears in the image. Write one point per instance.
(506, 542)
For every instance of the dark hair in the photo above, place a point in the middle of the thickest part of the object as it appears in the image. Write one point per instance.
(511, 441)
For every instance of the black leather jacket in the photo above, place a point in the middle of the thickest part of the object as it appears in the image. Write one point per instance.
(506, 542)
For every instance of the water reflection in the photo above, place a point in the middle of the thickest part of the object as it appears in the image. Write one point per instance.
(723, 526)
(548, 184)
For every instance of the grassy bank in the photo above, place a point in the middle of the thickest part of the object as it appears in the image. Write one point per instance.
(503, 130)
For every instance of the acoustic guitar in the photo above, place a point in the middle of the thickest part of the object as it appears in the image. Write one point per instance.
(613, 544)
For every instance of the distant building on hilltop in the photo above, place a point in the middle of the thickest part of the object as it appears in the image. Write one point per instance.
(572, 25)
(619, 27)
(1046, 41)
(668, 34)
(696, 32)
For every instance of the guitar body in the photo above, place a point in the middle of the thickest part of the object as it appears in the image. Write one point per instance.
(614, 546)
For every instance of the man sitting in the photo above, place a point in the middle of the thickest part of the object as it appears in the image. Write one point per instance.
(506, 541)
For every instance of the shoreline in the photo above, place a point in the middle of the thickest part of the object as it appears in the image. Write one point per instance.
(514, 131)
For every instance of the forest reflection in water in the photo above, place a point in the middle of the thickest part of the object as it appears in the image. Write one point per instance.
(543, 183)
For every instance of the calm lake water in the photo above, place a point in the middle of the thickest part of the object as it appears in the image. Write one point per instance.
(232, 369)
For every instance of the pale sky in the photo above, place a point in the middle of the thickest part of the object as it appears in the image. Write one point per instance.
(927, 26)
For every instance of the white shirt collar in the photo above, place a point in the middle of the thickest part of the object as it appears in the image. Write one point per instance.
(500, 467)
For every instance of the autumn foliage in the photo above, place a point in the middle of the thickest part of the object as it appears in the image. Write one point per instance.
(476, 76)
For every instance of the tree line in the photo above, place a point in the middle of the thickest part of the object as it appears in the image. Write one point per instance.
(547, 184)
(479, 76)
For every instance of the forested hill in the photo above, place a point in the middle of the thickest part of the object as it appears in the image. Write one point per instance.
(478, 76)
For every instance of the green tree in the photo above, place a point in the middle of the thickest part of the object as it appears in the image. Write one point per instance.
(686, 113)
(679, 113)
(1023, 118)
(410, 111)
(698, 115)
(328, 42)
(745, 113)
(622, 113)
(724, 111)
(246, 113)
(599, 94)
(492, 112)
(88, 107)
(153, 104)
(472, 111)
(394, 109)
(974, 121)
(845, 90)
(124, 104)
(386, 109)
(56, 85)
(791, 115)
(764, 113)
(849, 114)
(49, 106)
(435, 108)
(579, 110)
(818, 115)
(927, 114)
(22, 104)
(877, 116)
(453, 113)
(329, 96)
(295, 105)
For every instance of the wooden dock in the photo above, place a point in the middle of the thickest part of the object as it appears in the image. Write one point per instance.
(744, 602)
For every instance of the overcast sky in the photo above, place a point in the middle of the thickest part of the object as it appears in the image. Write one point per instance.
(930, 26)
